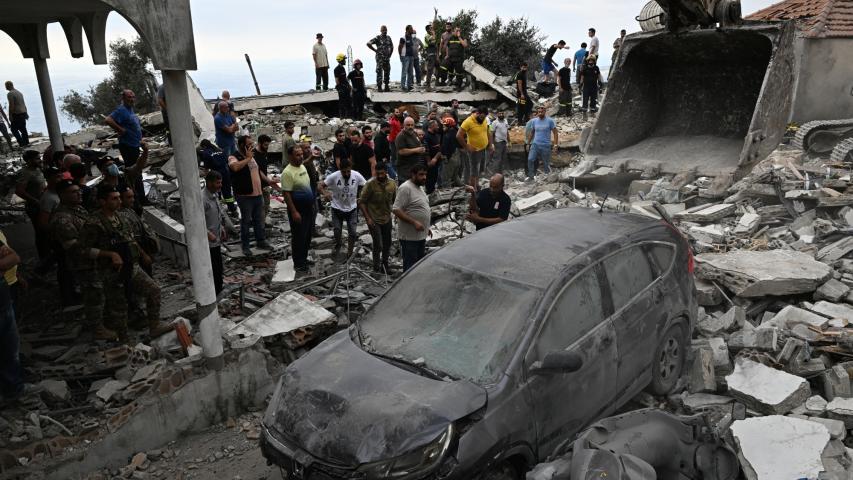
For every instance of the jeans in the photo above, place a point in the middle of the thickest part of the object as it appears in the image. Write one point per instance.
(338, 219)
(408, 70)
(251, 215)
(322, 75)
(540, 152)
(499, 158)
(300, 234)
(216, 267)
(392, 172)
(11, 374)
(380, 233)
(18, 124)
(412, 250)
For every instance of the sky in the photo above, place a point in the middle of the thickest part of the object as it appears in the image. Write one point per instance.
(278, 37)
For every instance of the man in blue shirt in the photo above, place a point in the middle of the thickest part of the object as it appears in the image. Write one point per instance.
(125, 122)
(578, 62)
(226, 127)
(542, 129)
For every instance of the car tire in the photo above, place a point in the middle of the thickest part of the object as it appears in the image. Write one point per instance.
(502, 471)
(668, 362)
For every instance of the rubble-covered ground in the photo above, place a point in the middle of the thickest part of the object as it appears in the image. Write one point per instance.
(770, 363)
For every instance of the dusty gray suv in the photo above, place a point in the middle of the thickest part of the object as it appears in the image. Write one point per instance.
(490, 352)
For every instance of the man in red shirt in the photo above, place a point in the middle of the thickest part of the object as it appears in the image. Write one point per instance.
(396, 122)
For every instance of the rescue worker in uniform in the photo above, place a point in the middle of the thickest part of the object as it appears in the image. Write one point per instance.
(359, 89)
(564, 77)
(384, 47)
(523, 105)
(109, 238)
(456, 46)
(430, 52)
(343, 87)
(66, 226)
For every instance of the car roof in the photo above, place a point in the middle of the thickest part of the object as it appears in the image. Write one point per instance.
(534, 249)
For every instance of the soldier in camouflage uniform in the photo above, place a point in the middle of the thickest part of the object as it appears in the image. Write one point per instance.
(66, 225)
(384, 47)
(109, 237)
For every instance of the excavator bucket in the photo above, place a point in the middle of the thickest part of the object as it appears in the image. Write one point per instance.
(713, 100)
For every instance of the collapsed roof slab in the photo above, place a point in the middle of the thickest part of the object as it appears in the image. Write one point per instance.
(260, 102)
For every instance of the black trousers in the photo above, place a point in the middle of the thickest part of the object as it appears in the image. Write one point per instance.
(130, 155)
(344, 102)
(380, 233)
(432, 178)
(358, 99)
(18, 124)
(300, 234)
(216, 267)
(322, 75)
(523, 109)
(590, 97)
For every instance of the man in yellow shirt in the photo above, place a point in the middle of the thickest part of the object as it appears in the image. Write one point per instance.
(474, 137)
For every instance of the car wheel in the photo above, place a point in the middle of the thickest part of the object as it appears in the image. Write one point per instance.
(668, 362)
(504, 471)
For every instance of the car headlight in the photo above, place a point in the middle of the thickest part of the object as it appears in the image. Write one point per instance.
(416, 461)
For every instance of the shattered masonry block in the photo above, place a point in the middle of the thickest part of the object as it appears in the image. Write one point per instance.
(841, 409)
(816, 405)
(836, 428)
(791, 316)
(764, 339)
(763, 273)
(284, 272)
(792, 451)
(836, 383)
(747, 224)
(701, 375)
(835, 251)
(833, 310)
(833, 290)
(111, 388)
(540, 198)
(711, 213)
(707, 294)
(55, 390)
(712, 326)
(766, 389)
(722, 360)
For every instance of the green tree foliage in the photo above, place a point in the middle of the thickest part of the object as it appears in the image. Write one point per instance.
(503, 45)
(130, 67)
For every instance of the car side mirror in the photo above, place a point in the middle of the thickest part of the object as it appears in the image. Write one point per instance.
(558, 361)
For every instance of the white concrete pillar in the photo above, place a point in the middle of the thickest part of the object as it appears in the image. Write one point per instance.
(48, 104)
(180, 124)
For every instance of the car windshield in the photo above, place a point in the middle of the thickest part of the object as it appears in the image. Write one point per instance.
(458, 322)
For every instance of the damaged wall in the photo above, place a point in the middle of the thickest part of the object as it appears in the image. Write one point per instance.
(825, 87)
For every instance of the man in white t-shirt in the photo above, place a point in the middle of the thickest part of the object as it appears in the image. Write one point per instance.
(594, 44)
(342, 188)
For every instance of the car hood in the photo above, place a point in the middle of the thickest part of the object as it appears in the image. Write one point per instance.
(347, 407)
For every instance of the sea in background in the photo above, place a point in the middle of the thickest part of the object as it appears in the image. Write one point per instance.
(273, 77)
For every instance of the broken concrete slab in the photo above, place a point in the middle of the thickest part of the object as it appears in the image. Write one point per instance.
(55, 390)
(765, 339)
(835, 251)
(791, 316)
(699, 401)
(793, 450)
(536, 200)
(172, 235)
(401, 97)
(284, 272)
(836, 428)
(763, 273)
(707, 294)
(708, 233)
(833, 290)
(286, 313)
(710, 213)
(483, 74)
(112, 387)
(701, 378)
(816, 405)
(747, 224)
(766, 389)
(833, 310)
(714, 325)
(841, 408)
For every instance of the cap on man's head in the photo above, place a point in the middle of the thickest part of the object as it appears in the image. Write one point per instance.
(319, 35)
(63, 184)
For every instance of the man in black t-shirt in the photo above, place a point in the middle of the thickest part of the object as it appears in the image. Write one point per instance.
(591, 80)
(523, 105)
(363, 158)
(339, 151)
(489, 206)
(565, 81)
(263, 161)
(548, 63)
(359, 91)
(343, 87)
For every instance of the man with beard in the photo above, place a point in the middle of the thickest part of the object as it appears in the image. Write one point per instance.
(341, 188)
(473, 136)
(296, 185)
(411, 207)
(410, 151)
(375, 202)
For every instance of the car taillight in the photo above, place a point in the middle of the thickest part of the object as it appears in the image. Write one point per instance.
(690, 261)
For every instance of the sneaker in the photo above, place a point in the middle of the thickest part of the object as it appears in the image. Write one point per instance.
(247, 252)
(528, 179)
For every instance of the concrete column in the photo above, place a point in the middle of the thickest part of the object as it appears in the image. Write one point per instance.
(180, 124)
(48, 104)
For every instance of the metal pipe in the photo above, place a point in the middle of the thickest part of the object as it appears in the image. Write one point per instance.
(252, 71)
(48, 104)
(180, 123)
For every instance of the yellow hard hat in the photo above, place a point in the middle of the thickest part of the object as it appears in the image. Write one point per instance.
(340, 57)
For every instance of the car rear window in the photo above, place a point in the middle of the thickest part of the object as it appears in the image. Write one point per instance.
(628, 273)
(662, 255)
